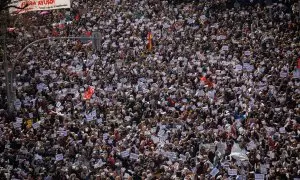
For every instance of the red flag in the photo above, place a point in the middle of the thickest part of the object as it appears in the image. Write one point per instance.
(233, 130)
(61, 25)
(77, 17)
(298, 65)
(203, 79)
(88, 33)
(54, 33)
(171, 102)
(89, 93)
(150, 44)
(206, 81)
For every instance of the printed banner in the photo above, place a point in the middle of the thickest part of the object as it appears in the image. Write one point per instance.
(38, 5)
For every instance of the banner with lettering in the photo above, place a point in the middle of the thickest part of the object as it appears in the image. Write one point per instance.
(38, 5)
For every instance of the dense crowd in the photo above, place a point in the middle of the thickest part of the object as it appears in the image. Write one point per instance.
(216, 97)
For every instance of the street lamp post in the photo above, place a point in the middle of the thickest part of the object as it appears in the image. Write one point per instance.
(9, 72)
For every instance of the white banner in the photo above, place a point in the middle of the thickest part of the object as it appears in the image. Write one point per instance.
(38, 5)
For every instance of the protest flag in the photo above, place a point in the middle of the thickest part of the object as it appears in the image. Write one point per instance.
(29, 123)
(77, 17)
(88, 33)
(54, 33)
(89, 93)
(207, 82)
(203, 79)
(150, 41)
(233, 131)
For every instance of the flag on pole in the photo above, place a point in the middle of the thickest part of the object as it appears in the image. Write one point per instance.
(89, 93)
(150, 43)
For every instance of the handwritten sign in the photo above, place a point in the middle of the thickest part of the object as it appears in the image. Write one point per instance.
(17, 125)
(248, 67)
(247, 53)
(99, 121)
(283, 74)
(259, 176)
(134, 156)
(36, 125)
(155, 139)
(38, 157)
(282, 130)
(232, 172)
(225, 48)
(238, 67)
(105, 136)
(59, 157)
(125, 154)
(214, 172)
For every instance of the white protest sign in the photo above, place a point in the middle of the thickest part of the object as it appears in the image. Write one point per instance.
(251, 145)
(161, 133)
(153, 130)
(155, 139)
(63, 133)
(58, 104)
(209, 147)
(200, 128)
(105, 136)
(283, 74)
(263, 169)
(89, 117)
(247, 53)
(232, 172)
(271, 154)
(100, 163)
(125, 154)
(259, 176)
(214, 172)
(183, 157)
(134, 156)
(17, 125)
(36, 125)
(296, 74)
(238, 67)
(99, 121)
(18, 104)
(225, 48)
(94, 113)
(19, 120)
(59, 157)
(282, 130)
(248, 67)
(172, 156)
(38, 157)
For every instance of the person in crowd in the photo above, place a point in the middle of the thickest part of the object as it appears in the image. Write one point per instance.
(194, 90)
